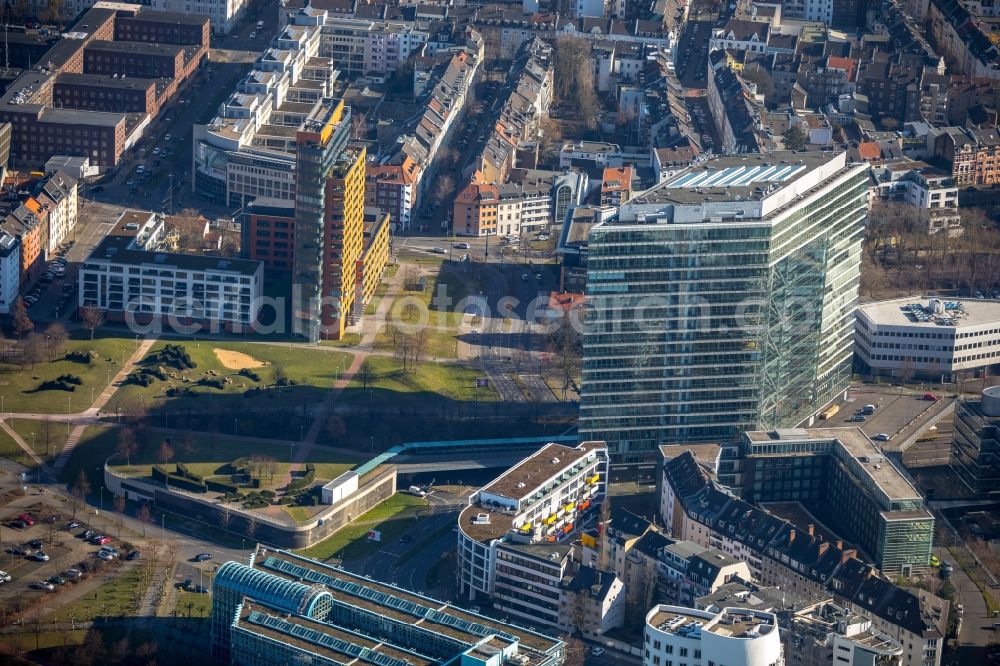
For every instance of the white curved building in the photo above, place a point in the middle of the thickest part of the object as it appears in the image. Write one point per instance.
(677, 635)
(515, 537)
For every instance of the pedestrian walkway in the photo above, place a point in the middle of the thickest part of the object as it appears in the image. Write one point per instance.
(24, 445)
(77, 432)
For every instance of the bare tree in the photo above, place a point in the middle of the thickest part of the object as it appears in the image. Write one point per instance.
(55, 337)
(127, 445)
(224, 518)
(20, 322)
(120, 508)
(91, 318)
(80, 490)
(166, 453)
(565, 346)
(33, 349)
(335, 428)
(251, 528)
(365, 373)
(145, 517)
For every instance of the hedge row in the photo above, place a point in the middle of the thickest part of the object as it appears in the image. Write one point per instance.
(163, 476)
(304, 481)
(218, 486)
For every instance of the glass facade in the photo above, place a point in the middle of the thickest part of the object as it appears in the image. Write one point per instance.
(975, 447)
(698, 331)
(895, 532)
(317, 150)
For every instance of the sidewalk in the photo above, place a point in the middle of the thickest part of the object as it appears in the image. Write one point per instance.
(74, 436)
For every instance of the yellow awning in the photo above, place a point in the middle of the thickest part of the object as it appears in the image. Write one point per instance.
(569, 507)
(551, 519)
(594, 479)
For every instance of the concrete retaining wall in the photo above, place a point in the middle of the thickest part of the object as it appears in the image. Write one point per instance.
(373, 489)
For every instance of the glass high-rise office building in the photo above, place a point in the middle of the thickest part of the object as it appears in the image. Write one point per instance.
(721, 301)
(329, 210)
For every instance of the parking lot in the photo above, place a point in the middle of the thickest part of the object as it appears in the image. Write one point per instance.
(47, 557)
(898, 412)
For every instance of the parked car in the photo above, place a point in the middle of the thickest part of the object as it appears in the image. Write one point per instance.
(201, 589)
(26, 518)
(931, 397)
(857, 418)
(881, 437)
(134, 555)
(597, 651)
(102, 540)
(89, 534)
(97, 189)
(35, 543)
(17, 550)
(73, 573)
(5, 577)
(438, 250)
(57, 580)
(40, 556)
(202, 557)
(44, 585)
(463, 246)
(105, 555)
(72, 525)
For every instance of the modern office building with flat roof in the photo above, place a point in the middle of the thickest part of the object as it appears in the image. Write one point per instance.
(975, 447)
(941, 339)
(722, 300)
(732, 636)
(128, 278)
(282, 608)
(248, 149)
(844, 478)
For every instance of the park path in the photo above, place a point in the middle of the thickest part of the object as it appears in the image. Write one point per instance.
(369, 328)
(30, 452)
(74, 436)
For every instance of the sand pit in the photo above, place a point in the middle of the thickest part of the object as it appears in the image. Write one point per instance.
(236, 360)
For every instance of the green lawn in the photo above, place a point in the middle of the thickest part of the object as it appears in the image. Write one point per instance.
(439, 303)
(428, 381)
(392, 518)
(439, 344)
(192, 604)
(221, 450)
(17, 382)
(114, 598)
(349, 340)
(313, 371)
(324, 471)
(97, 444)
(9, 448)
(49, 437)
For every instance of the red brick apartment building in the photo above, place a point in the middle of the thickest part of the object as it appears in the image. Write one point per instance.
(79, 104)
(268, 229)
